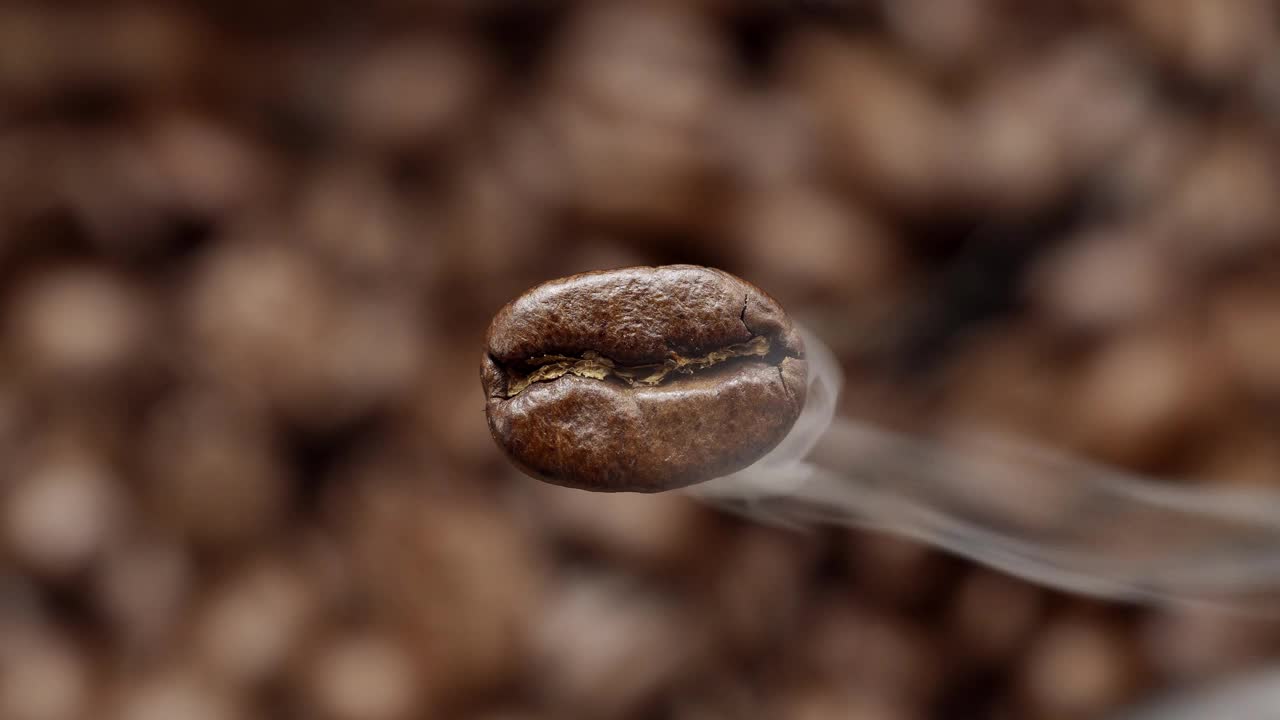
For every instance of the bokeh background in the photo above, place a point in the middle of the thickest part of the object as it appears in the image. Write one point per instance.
(248, 251)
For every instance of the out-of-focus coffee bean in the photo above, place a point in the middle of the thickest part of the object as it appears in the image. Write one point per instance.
(1150, 163)
(648, 531)
(1192, 646)
(604, 649)
(758, 590)
(266, 318)
(521, 714)
(208, 168)
(994, 616)
(455, 574)
(525, 152)
(495, 242)
(1142, 390)
(1223, 207)
(717, 694)
(1243, 452)
(21, 605)
(1246, 327)
(213, 474)
(112, 185)
(631, 92)
(141, 588)
(887, 129)
(347, 215)
(951, 37)
(639, 49)
(373, 353)
(254, 309)
(1097, 99)
(61, 512)
(875, 652)
(78, 324)
(835, 703)
(1009, 377)
(175, 692)
(417, 91)
(442, 406)
(29, 181)
(1033, 129)
(43, 676)
(13, 418)
(769, 140)
(813, 249)
(254, 622)
(364, 675)
(895, 570)
(1080, 666)
(140, 50)
(1110, 280)
(1018, 165)
(1215, 43)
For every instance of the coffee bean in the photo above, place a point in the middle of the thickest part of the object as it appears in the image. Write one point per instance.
(641, 379)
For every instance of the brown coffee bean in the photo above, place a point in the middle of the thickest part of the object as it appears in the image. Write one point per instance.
(641, 379)
(364, 674)
(598, 674)
(1081, 665)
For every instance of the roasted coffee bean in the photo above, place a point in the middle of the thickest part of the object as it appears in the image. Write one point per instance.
(641, 379)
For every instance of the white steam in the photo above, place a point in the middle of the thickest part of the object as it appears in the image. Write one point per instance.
(1052, 519)
(1252, 696)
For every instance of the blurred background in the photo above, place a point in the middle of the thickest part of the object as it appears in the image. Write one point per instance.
(248, 252)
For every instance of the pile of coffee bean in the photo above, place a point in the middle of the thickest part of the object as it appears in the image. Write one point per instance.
(249, 252)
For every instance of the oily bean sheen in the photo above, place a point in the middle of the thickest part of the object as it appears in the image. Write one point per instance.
(641, 379)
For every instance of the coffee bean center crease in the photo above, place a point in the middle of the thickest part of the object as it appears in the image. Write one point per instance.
(546, 368)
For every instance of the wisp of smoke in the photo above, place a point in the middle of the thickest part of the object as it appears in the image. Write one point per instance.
(1053, 519)
(1254, 696)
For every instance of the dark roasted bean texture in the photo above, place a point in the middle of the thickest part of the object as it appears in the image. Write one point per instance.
(641, 379)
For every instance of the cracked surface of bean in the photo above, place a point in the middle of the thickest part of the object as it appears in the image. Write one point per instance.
(641, 379)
